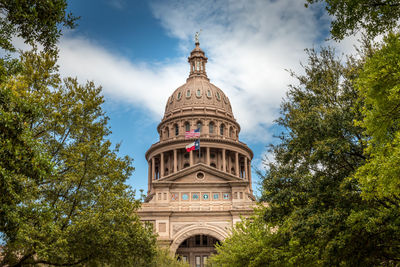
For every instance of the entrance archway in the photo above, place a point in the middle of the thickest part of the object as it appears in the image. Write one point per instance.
(209, 233)
(197, 249)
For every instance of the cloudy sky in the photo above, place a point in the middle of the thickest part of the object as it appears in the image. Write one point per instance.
(137, 51)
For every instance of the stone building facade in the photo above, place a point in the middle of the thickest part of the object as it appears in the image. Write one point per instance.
(194, 198)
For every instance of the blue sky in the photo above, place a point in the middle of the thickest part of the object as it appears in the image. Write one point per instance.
(137, 51)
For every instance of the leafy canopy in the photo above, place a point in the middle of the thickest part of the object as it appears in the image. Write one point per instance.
(63, 197)
(350, 16)
(379, 89)
(315, 214)
(34, 21)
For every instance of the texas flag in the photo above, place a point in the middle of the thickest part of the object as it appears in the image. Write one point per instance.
(193, 146)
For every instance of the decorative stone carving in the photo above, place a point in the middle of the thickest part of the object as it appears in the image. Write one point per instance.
(177, 227)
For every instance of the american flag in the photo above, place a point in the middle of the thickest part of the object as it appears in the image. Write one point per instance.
(192, 133)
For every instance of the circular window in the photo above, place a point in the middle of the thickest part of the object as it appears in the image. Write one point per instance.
(186, 156)
(205, 196)
(185, 197)
(226, 196)
(200, 175)
(195, 196)
(212, 155)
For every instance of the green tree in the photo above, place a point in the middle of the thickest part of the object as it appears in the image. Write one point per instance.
(248, 245)
(379, 179)
(349, 16)
(35, 21)
(379, 89)
(316, 215)
(63, 197)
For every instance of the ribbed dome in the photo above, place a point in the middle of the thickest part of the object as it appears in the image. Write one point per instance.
(198, 92)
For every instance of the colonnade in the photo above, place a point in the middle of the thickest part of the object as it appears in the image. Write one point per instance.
(172, 161)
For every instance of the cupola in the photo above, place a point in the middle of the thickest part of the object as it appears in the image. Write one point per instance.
(197, 61)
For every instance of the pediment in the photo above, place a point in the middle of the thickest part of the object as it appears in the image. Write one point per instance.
(193, 175)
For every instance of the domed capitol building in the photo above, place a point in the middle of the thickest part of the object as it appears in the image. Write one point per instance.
(194, 198)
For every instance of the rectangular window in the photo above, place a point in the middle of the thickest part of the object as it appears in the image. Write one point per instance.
(198, 261)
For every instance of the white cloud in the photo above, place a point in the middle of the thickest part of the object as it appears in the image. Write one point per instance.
(249, 45)
(143, 85)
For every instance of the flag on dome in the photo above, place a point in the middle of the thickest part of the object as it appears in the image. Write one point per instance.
(193, 146)
(192, 133)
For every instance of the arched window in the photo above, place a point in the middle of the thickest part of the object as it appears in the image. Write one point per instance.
(221, 129)
(198, 92)
(179, 95)
(187, 126)
(199, 125)
(209, 93)
(167, 132)
(188, 93)
(230, 132)
(176, 129)
(211, 127)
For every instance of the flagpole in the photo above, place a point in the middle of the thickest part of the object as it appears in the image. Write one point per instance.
(199, 150)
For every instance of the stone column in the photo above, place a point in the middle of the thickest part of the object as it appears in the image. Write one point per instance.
(228, 161)
(208, 156)
(237, 163)
(162, 165)
(153, 168)
(191, 158)
(149, 176)
(246, 174)
(175, 161)
(251, 189)
(223, 160)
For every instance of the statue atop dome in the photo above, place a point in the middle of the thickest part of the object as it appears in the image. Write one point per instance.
(196, 36)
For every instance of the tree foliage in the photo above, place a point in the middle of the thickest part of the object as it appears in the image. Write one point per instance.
(349, 16)
(379, 88)
(63, 197)
(317, 213)
(34, 21)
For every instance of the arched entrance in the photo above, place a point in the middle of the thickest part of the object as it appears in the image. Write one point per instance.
(196, 243)
(197, 249)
